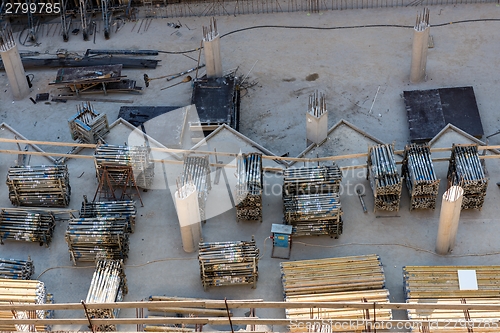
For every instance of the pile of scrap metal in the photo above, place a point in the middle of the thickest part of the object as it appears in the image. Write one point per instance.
(87, 125)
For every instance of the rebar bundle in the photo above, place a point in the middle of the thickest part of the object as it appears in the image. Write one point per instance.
(422, 20)
(90, 239)
(196, 169)
(421, 180)
(87, 124)
(228, 263)
(16, 269)
(39, 185)
(317, 104)
(111, 209)
(465, 170)
(27, 225)
(249, 187)
(384, 179)
(108, 285)
(210, 32)
(7, 40)
(321, 179)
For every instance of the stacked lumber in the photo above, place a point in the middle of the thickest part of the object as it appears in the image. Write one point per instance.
(346, 279)
(465, 170)
(27, 225)
(228, 263)
(16, 269)
(196, 169)
(45, 185)
(249, 187)
(311, 201)
(384, 179)
(87, 125)
(421, 180)
(440, 285)
(111, 209)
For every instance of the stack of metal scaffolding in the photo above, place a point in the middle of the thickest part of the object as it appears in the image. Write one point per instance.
(249, 187)
(108, 285)
(27, 225)
(111, 209)
(384, 178)
(87, 125)
(421, 180)
(311, 201)
(90, 239)
(465, 170)
(39, 185)
(196, 169)
(16, 269)
(228, 263)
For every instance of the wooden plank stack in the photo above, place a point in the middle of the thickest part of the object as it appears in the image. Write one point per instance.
(465, 170)
(421, 180)
(384, 179)
(111, 209)
(346, 279)
(16, 269)
(311, 201)
(44, 185)
(87, 125)
(108, 285)
(27, 225)
(249, 187)
(228, 263)
(196, 169)
(440, 284)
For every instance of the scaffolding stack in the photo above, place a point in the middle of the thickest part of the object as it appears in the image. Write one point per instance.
(465, 170)
(43, 186)
(196, 169)
(421, 180)
(27, 225)
(111, 209)
(228, 263)
(384, 178)
(311, 200)
(16, 269)
(249, 187)
(87, 125)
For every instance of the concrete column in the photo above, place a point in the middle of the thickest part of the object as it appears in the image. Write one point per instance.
(316, 119)
(13, 65)
(188, 213)
(211, 47)
(448, 219)
(420, 46)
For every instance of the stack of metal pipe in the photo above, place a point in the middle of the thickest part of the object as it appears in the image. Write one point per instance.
(249, 187)
(228, 263)
(95, 238)
(465, 170)
(87, 125)
(16, 269)
(196, 169)
(27, 225)
(384, 178)
(45, 185)
(111, 209)
(311, 201)
(108, 285)
(421, 180)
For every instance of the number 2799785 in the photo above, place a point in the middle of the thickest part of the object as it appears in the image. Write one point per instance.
(33, 8)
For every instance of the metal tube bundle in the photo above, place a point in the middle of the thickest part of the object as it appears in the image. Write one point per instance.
(39, 185)
(28, 225)
(321, 179)
(16, 269)
(108, 285)
(421, 180)
(384, 179)
(87, 124)
(227, 263)
(465, 170)
(249, 187)
(117, 209)
(196, 169)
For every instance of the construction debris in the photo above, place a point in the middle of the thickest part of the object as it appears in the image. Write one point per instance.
(111, 209)
(196, 169)
(249, 187)
(87, 125)
(27, 225)
(16, 269)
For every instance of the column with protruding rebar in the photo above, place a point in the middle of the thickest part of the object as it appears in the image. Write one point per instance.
(12, 64)
(316, 119)
(420, 45)
(188, 212)
(448, 219)
(211, 46)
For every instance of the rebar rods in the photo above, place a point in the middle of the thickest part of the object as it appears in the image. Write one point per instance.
(228, 263)
(249, 187)
(111, 209)
(210, 32)
(196, 169)
(30, 225)
(421, 180)
(465, 170)
(317, 104)
(16, 269)
(87, 124)
(43, 185)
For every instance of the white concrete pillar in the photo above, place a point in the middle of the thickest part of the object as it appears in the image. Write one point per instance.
(316, 119)
(448, 219)
(420, 46)
(211, 47)
(188, 213)
(13, 65)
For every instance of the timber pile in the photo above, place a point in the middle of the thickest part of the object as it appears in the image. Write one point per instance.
(421, 180)
(16, 269)
(311, 201)
(111, 209)
(249, 187)
(27, 225)
(43, 185)
(384, 179)
(196, 169)
(87, 125)
(228, 263)
(347, 279)
(465, 170)
(440, 284)
(108, 285)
